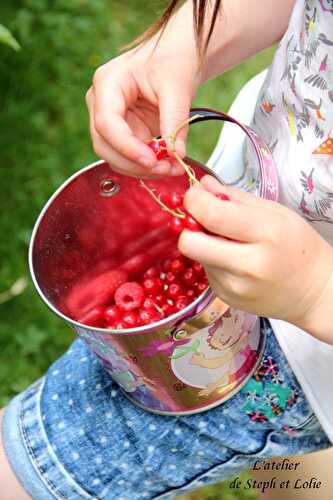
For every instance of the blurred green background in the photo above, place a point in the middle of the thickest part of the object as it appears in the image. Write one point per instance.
(44, 139)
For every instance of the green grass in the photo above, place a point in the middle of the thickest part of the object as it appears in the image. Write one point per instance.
(44, 138)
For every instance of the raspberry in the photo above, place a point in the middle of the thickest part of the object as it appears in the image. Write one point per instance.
(129, 296)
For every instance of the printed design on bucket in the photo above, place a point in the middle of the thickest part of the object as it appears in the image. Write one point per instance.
(267, 395)
(213, 358)
(121, 368)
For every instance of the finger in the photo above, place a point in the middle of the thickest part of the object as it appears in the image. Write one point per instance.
(117, 161)
(112, 100)
(225, 218)
(166, 168)
(126, 167)
(229, 256)
(174, 105)
(218, 280)
(214, 186)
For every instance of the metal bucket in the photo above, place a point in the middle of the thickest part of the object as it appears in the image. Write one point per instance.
(100, 223)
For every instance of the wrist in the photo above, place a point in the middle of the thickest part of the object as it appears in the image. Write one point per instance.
(317, 320)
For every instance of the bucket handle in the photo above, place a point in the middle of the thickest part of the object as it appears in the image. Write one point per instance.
(269, 185)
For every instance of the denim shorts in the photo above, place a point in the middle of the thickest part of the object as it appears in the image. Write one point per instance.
(73, 434)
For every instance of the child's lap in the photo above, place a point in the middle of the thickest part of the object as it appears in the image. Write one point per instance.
(86, 440)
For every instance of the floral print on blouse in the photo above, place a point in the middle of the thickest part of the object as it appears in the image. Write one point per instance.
(294, 115)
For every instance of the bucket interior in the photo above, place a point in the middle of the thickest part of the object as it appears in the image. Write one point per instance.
(99, 230)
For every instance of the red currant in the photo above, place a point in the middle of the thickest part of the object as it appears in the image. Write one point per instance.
(201, 287)
(152, 285)
(159, 298)
(189, 276)
(198, 268)
(177, 265)
(131, 319)
(181, 302)
(112, 313)
(191, 294)
(160, 148)
(191, 224)
(146, 316)
(157, 316)
(222, 196)
(176, 200)
(174, 291)
(170, 277)
(148, 303)
(120, 325)
(176, 225)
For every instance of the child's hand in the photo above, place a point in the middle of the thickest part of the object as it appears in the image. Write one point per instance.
(140, 95)
(278, 267)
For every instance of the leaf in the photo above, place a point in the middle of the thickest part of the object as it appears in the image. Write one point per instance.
(7, 38)
(181, 351)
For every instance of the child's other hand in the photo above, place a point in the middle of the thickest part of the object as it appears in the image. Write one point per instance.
(140, 95)
(278, 267)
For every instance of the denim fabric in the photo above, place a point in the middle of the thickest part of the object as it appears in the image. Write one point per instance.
(85, 440)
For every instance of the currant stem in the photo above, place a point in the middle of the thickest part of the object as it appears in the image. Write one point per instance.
(158, 309)
(178, 129)
(173, 138)
(187, 169)
(178, 214)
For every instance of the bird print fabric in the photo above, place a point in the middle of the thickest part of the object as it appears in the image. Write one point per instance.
(295, 114)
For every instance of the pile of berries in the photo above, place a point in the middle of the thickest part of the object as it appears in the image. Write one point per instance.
(163, 290)
(115, 301)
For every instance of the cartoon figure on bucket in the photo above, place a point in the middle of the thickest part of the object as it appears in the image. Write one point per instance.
(223, 357)
(118, 365)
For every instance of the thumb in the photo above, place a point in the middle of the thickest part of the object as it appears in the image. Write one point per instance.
(174, 107)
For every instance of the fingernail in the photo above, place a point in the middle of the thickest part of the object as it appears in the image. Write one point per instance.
(146, 162)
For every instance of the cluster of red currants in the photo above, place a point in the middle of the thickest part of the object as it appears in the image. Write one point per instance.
(180, 219)
(164, 289)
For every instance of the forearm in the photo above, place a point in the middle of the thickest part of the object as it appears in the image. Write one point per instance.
(243, 28)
